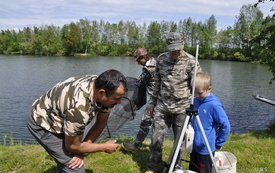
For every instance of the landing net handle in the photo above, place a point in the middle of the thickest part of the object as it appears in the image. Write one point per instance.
(194, 78)
(191, 111)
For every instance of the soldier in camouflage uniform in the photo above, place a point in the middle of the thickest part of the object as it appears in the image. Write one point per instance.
(146, 78)
(171, 96)
(57, 119)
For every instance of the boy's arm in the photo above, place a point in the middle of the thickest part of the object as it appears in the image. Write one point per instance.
(222, 122)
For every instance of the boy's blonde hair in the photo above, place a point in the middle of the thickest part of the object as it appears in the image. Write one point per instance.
(203, 80)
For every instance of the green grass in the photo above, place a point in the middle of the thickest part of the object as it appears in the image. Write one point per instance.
(254, 151)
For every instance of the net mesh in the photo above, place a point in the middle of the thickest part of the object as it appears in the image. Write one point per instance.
(133, 100)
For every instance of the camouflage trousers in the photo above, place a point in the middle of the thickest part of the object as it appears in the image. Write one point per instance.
(163, 121)
(145, 125)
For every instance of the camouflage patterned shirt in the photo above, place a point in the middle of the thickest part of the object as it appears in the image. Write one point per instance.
(68, 107)
(172, 91)
(147, 75)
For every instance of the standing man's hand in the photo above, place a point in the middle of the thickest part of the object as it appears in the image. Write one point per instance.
(151, 111)
(77, 161)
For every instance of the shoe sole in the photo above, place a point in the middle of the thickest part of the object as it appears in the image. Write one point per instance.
(127, 149)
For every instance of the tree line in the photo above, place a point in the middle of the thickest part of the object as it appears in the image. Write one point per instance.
(250, 39)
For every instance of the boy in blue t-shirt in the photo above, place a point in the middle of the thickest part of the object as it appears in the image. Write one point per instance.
(214, 121)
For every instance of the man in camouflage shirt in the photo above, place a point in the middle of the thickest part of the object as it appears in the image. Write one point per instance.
(171, 96)
(58, 119)
(146, 78)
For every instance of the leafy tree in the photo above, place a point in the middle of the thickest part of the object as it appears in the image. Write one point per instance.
(208, 36)
(154, 41)
(51, 43)
(174, 27)
(37, 40)
(225, 43)
(85, 43)
(186, 27)
(266, 42)
(132, 33)
(71, 37)
(266, 39)
(142, 35)
(95, 38)
(248, 40)
(121, 32)
(9, 42)
(247, 26)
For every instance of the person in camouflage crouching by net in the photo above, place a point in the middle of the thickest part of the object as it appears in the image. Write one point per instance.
(146, 78)
(171, 96)
(58, 119)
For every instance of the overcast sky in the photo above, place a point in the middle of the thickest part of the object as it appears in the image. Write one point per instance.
(17, 14)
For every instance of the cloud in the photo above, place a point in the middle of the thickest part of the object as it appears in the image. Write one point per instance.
(19, 14)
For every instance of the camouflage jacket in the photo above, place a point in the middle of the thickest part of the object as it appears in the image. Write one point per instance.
(172, 90)
(68, 107)
(147, 75)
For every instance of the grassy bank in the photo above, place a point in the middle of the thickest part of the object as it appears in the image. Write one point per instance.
(254, 151)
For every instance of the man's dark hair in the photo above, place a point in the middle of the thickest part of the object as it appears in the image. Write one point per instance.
(110, 81)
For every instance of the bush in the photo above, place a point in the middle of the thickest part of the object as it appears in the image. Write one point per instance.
(240, 57)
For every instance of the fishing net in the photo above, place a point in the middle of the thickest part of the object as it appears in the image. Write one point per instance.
(122, 113)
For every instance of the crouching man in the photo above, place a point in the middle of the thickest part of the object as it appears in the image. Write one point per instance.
(58, 119)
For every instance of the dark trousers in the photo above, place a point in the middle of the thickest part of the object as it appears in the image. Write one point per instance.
(200, 163)
(54, 145)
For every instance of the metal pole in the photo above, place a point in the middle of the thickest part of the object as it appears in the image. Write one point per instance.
(178, 145)
(194, 77)
(206, 142)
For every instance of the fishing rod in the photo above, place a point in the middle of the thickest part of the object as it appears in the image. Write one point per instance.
(189, 112)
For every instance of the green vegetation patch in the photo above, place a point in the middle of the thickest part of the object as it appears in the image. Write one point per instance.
(254, 151)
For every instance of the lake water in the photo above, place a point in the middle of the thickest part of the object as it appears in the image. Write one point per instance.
(25, 78)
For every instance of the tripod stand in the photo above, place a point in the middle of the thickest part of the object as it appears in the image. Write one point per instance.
(178, 143)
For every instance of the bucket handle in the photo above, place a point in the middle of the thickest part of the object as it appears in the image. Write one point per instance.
(231, 166)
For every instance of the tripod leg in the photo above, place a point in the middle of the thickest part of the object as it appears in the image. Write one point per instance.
(206, 142)
(176, 147)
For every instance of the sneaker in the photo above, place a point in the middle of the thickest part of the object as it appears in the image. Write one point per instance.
(130, 147)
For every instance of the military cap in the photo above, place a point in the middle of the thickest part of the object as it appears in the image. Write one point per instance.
(174, 41)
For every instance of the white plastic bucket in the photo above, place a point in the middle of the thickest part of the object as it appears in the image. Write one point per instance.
(225, 162)
(184, 171)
